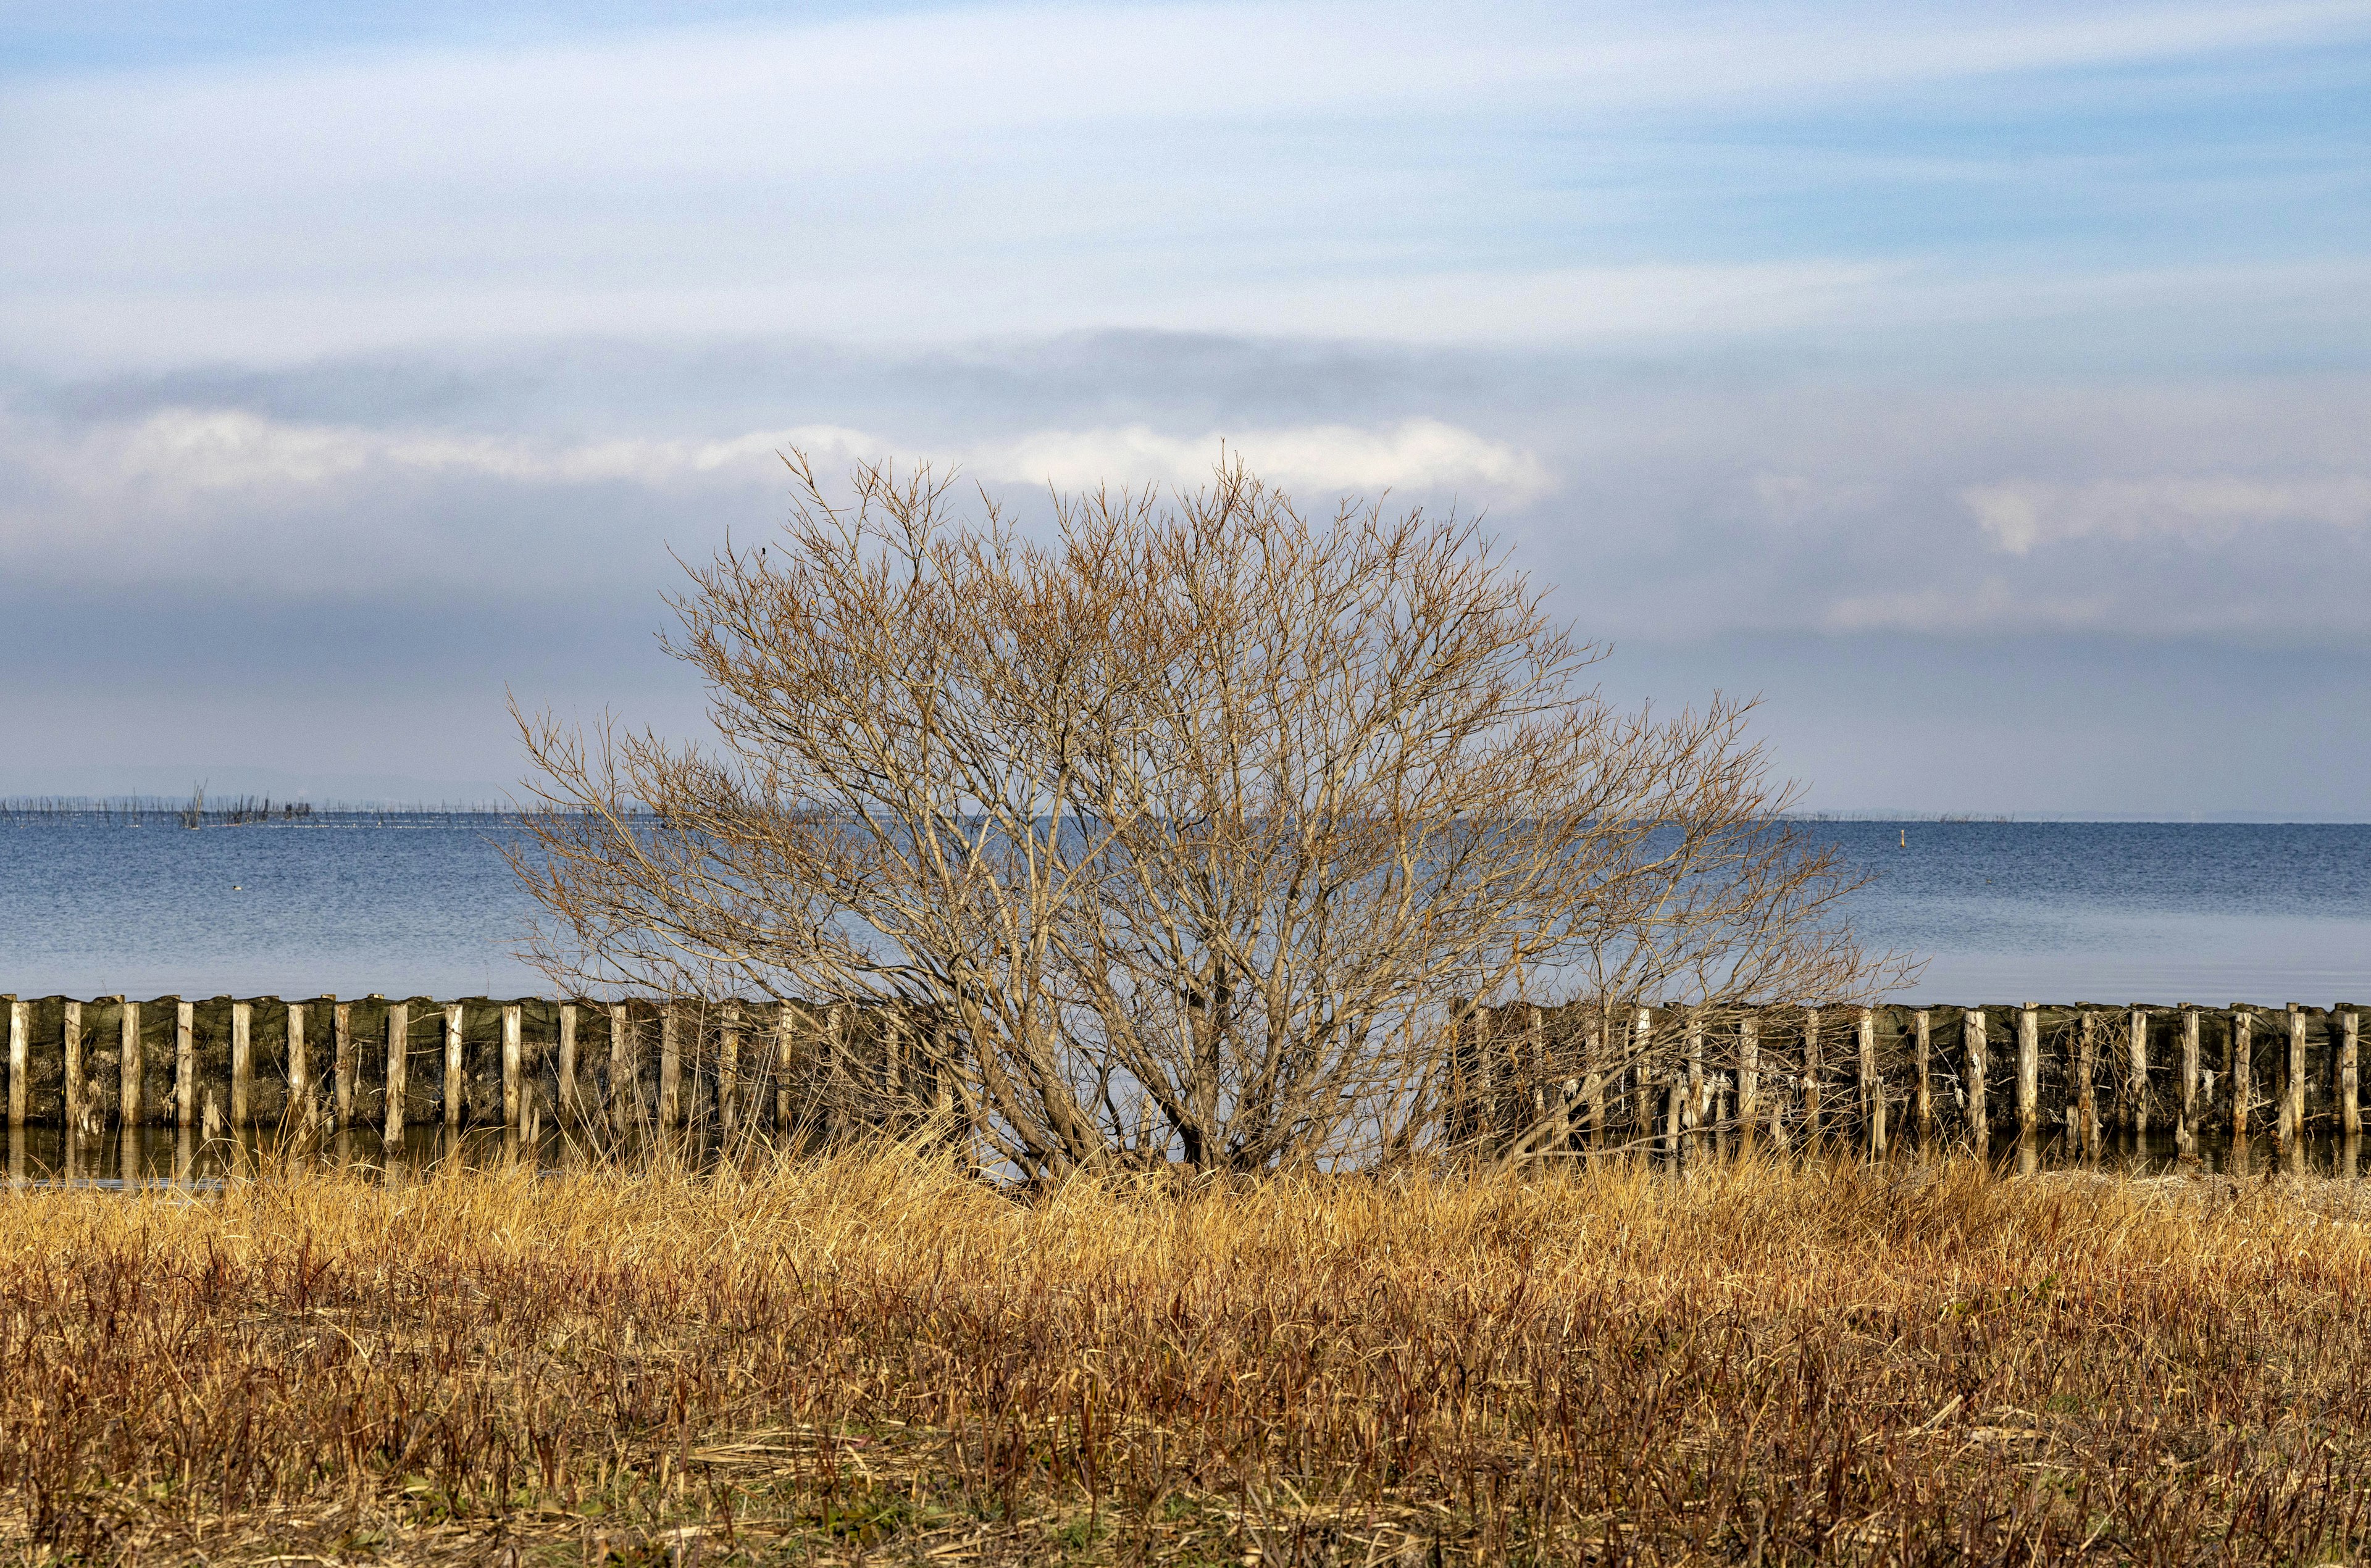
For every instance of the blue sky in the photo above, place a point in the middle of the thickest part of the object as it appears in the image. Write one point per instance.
(1981, 382)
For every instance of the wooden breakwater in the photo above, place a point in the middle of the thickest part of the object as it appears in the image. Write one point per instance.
(387, 1064)
(1519, 1079)
(1535, 1080)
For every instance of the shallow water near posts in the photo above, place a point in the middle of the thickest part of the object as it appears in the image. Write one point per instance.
(131, 1158)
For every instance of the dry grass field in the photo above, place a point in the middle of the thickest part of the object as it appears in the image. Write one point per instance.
(869, 1359)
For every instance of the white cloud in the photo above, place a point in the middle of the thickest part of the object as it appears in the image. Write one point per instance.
(186, 457)
(2019, 515)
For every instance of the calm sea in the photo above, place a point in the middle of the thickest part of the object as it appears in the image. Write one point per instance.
(424, 906)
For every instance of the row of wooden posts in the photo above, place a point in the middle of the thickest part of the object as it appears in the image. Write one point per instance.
(1526, 1079)
(745, 1064)
(1692, 1069)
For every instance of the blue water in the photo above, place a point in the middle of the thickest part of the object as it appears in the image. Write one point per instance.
(2000, 912)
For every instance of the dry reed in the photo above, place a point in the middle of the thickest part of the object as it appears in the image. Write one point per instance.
(871, 1357)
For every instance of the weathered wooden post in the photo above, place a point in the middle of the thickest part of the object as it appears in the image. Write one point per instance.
(398, 1040)
(1971, 1037)
(1872, 1087)
(1922, 1048)
(1674, 1113)
(73, 1068)
(455, 1095)
(300, 1070)
(786, 1056)
(2350, 1105)
(1749, 1077)
(2029, 1070)
(834, 1070)
(185, 1064)
(19, 1054)
(2136, 1109)
(1697, 1109)
(1811, 1077)
(728, 1065)
(670, 1062)
(1592, 1081)
(2292, 1092)
(2243, 1086)
(2190, 1107)
(568, 1106)
(514, 1076)
(2086, 1108)
(242, 1061)
(625, 1070)
(128, 1066)
(342, 1061)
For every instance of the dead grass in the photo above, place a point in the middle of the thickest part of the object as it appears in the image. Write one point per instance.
(867, 1358)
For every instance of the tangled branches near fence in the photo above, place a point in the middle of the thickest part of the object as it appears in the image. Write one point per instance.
(871, 1357)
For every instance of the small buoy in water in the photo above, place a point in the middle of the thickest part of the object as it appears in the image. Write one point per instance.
(1905, 839)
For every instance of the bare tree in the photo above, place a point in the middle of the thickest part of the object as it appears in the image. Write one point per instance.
(1195, 822)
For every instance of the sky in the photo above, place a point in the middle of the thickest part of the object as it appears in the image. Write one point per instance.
(1987, 387)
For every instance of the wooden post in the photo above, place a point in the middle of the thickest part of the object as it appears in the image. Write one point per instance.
(185, 1064)
(1872, 1088)
(242, 1061)
(1811, 1075)
(73, 1067)
(2029, 1069)
(1672, 1113)
(1593, 1085)
(567, 1063)
(670, 1062)
(399, 1041)
(342, 1061)
(835, 1067)
(19, 1053)
(2190, 1068)
(2087, 1103)
(300, 1070)
(2136, 1109)
(2243, 1087)
(1921, 1046)
(2292, 1092)
(1749, 1074)
(1696, 1108)
(728, 1066)
(2350, 1106)
(1559, 1137)
(1971, 1036)
(453, 1090)
(625, 1076)
(129, 1067)
(786, 1057)
(511, 1075)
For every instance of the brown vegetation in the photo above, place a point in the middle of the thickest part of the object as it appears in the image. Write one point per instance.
(870, 1357)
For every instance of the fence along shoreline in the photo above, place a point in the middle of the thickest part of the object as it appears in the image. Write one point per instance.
(1522, 1081)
